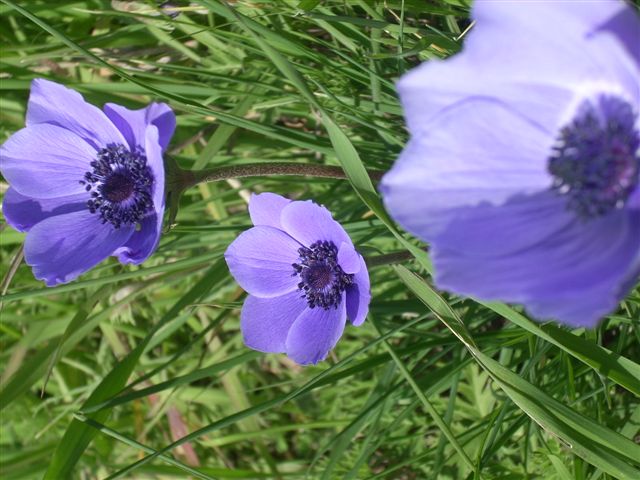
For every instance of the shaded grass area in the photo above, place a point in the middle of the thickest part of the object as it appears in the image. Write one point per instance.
(140, 372)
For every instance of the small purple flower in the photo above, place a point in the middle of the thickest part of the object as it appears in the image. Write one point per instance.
(85, 183)
(303, 275)
(523, 168)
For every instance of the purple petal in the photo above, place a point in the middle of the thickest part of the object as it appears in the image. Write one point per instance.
(359, 296)
(155, 161)
(516, 225)
(142, 243)
(437, 174)
(506, 56)
(133, 123)
(261, 260)
(265, 322)
(55, 104)
(634, 200)
(46, 161)
(433, 86)
(309, 222)
(348, 258)
(146, 239)
(574, 276)
(578, 16)
(63, 247)
(625, 27)
(575, 310)
(314, 333)
(22, 212)
(265, 209)
(633, 276)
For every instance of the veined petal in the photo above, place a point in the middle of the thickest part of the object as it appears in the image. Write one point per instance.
(434, 86)
(156, 164)
(63, 247)
(142, 243)
(510, 56)
(574, 276)
(46, 161)
(309, 222)
(519, 223)
(23, 212)
(437, 173)
(314, 333)
(265, 322)
(133, 123)
(261, 260)
(55, 104)
(348, 259)
(266, 208)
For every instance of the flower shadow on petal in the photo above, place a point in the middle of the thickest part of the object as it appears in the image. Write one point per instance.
(358, 296)
(314, 333)
(265, 322)
(22, 212)
(63, 247)
(551, 265)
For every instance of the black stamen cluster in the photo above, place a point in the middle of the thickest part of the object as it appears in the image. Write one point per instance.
(322, 280)
(596, 160)
(120, 185)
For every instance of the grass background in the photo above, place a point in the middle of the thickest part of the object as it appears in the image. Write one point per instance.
(140, 372)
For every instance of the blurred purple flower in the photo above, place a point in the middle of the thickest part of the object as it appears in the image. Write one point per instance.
(85, 184)
(523, 166)
(303, 275)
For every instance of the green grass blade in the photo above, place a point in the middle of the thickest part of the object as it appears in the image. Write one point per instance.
(427, 404)
(79, 435)
(596, 444)
(137, 445)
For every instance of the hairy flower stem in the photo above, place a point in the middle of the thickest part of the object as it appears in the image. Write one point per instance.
(188, 178)
(388, 259)
(178, 180)
(192, 178)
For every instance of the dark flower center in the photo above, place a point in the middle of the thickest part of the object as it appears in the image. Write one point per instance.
(596, 160)
(322, 280)
(120, 185)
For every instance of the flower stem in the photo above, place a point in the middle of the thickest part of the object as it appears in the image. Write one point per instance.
(192, 178)
(178, 180)
(389, 258)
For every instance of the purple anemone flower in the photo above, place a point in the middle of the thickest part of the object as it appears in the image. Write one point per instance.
(303, 275)
(523, 166)
(84, 183)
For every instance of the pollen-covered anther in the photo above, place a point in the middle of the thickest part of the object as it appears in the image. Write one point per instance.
(120, 185)
(322, 280)
(595, 162)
